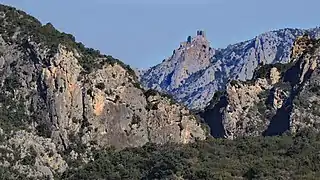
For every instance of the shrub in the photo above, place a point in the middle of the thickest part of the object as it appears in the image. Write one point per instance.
(30, 159)
(100, 86)
(233, 82)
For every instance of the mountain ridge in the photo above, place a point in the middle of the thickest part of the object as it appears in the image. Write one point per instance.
(236, 61)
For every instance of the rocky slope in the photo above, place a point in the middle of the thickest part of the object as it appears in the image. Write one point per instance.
(195, 71)
(279, 98)
(60, 100)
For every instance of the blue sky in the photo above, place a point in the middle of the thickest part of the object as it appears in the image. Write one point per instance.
(144, 32)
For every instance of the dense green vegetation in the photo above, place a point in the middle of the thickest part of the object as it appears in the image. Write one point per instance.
(13, 115)
(9, 174)
(284, 157)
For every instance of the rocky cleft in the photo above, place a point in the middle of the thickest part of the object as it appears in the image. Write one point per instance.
(280, 98)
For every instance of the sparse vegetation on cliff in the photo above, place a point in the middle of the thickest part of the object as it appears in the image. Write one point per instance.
(264, 71)
(18, 26)
(152, 92)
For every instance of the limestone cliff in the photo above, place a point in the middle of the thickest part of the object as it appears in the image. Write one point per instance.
(59, 99)
(279, 98)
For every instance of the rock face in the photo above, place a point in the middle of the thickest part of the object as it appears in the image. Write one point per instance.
(279, 98)
(57, 94)
(35, 156)
(192, 74)
(305, 109)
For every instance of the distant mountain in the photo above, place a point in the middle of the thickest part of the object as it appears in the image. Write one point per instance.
(195, 70)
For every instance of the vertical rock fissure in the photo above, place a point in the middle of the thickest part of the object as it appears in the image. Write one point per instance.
(281, 122)
(84, 122)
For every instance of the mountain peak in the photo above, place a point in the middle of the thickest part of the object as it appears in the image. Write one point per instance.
(193, 55)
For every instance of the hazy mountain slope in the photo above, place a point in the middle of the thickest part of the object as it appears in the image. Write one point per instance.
(193, 73)
(59, 100)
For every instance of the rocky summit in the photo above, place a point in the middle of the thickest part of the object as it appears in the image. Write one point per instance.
(60, 100)
(195, 71)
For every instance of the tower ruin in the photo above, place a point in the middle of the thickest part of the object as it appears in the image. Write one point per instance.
(201, 33)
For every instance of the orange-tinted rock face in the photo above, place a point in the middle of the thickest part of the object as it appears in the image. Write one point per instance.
(101, 108)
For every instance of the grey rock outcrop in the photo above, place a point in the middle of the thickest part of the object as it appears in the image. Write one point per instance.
(33, 156)
(279, 98)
